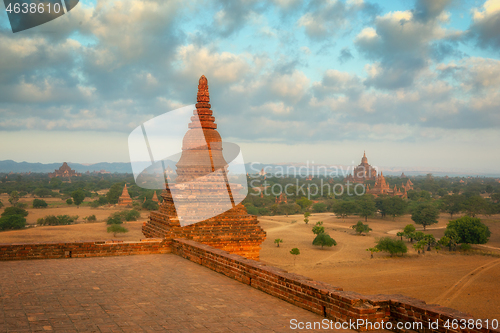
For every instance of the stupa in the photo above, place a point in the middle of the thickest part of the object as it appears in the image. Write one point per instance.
(362, 172)
(200, 188)
(125, 199)
(155, 197)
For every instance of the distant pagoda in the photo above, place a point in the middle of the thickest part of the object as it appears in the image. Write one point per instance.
(201, 186)
(362, 172)
(155, 197)
(125, 199)
(64, 172)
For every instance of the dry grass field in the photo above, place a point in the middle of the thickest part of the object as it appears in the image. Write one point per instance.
(467, 282)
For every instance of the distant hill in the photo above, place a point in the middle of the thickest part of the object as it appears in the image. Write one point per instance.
(9, 165)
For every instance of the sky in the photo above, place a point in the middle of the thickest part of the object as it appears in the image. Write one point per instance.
(414, 83)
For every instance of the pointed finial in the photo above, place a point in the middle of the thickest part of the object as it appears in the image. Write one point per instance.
(203, 95)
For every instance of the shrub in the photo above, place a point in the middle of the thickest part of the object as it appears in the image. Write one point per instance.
(469, 230)
(115, 228)
(131, 215)
(69, 201)
(465, 247)
(59, 220)
(114, 219)
(324, 239)
(360, 227)
(38, 203)
(14, 211)
(392, 246)
(10, 222)
(150, 205)
(90, 218)
(319, 207)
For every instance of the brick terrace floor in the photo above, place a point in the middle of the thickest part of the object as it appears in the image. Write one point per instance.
(143, 293)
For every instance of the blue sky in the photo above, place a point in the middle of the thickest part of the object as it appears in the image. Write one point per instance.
(414, 83)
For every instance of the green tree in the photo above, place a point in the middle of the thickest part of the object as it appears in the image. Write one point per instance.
(115, 229)
(10, 222)
(150, 205)
(409, 231)
(420, 245)
(318, 228)
(400, 234)
(475, 205)
(387, 244)
(469, 230)
(360, 228)
(372, 250)
(114, 193)
(319, 207)
(452, 204)
(78, 197)
(430, 240)
(304, 203)
(295, 252)
(344, 208)
(69, 201)
(425, 214)
(38, 203)
(15, 211)
(42, 192)
(324, 239)
(277, 241)
(395, 206)
(90, 218)
(114, 219)
(13, 197)
(306, 217)
(366, 206)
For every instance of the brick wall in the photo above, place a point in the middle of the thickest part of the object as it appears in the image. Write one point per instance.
(321, 298)
(82, 249)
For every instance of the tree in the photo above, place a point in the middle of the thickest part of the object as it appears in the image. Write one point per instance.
(38, 203)
(78, 196)
(114, 193)
(395, 206)
(304, 203)
(452, 204)
(344, 208)
(150, 205)
(419, 246)
(324, 239)
(295, 252)
(1, 204)
(400, 234)
(277, 241)
(409, 231)
(387, 244)
(318, 228)
(115, 229)
(366, 206)
(13, 198)
(90, 218)
(114, 219)
(469, 230)
(425, 214)
(42, 192)
(372, 250)
(69, 201)
(475, 205)
(9, 222)
(14, 211)
(319, 207)
(430, 241)
(360, 228)
(445, 241)
(306, 217)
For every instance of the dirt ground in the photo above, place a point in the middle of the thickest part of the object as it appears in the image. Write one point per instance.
(469, 283)
(466, 282)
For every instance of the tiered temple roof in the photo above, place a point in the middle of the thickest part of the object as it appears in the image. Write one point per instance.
(125, 199)
(381, 187)
(64, 171)
(362, 172)
(200, 188)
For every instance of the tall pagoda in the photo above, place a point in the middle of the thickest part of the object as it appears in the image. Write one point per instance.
(200, 189)
(362, 172)
(125, 199)
(64, 171)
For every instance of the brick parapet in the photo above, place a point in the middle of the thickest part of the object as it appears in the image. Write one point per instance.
(56, 250)
(321, 298)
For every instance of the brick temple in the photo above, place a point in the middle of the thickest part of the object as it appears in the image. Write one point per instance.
(382, 187)
(125, 199)
(202, 170)
(64, 172)
(362, 172)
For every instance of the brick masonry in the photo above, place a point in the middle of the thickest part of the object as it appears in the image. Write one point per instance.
(82, 249)
(318, 297)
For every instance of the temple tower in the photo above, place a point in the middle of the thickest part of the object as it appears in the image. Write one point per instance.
(200, 188)
(125, 199)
